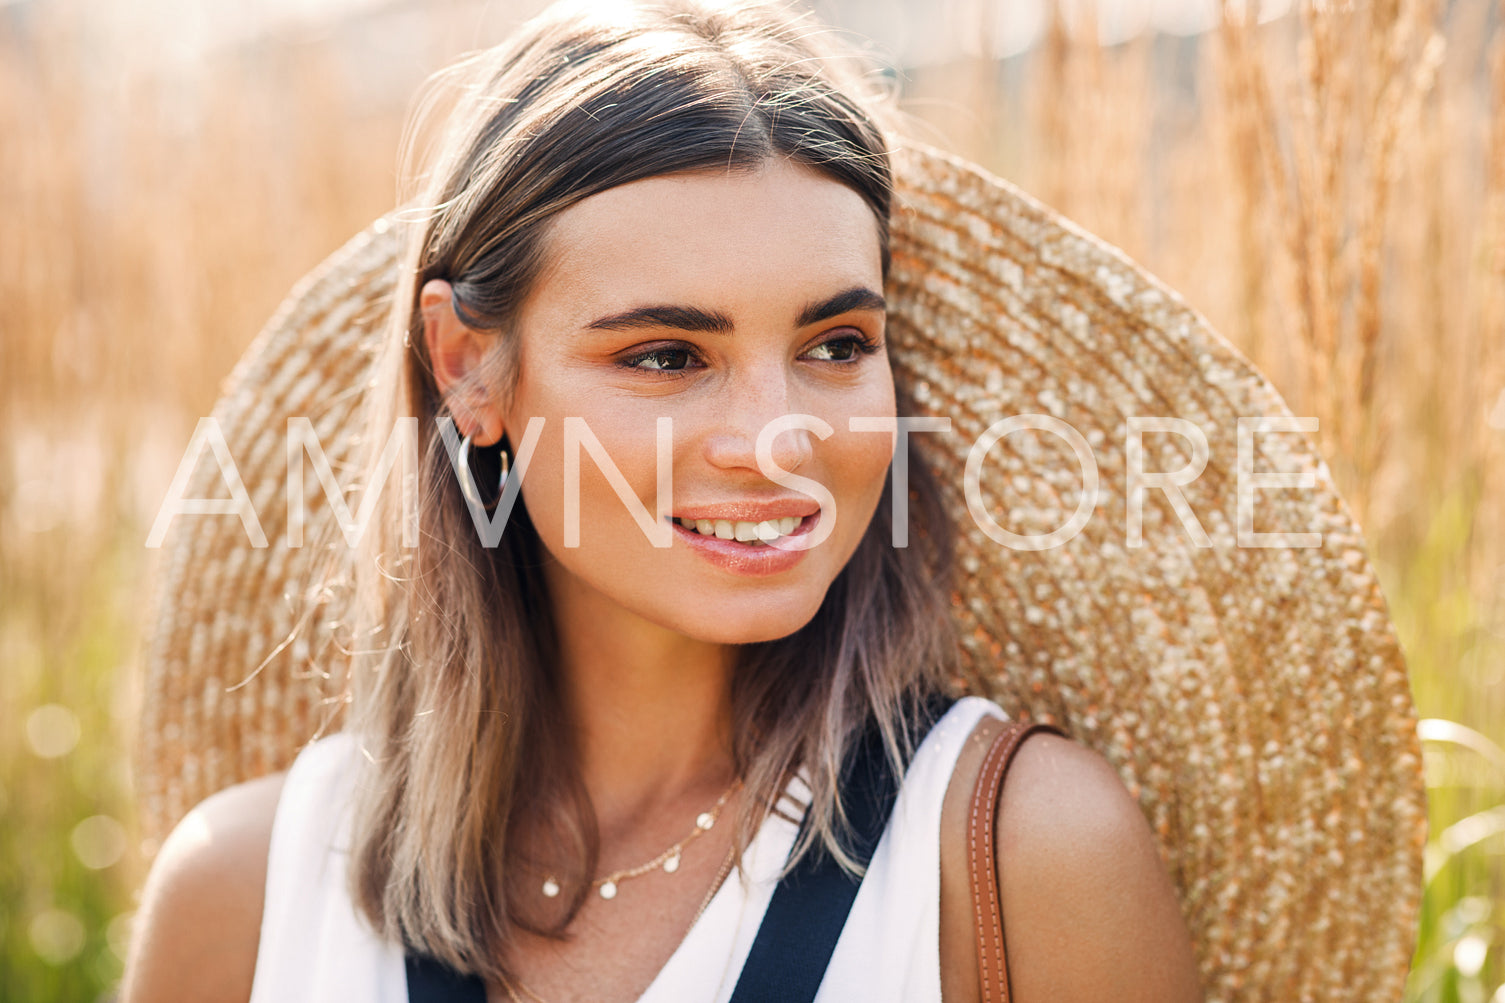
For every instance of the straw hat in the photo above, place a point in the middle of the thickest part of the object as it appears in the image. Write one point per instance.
(1253, 699)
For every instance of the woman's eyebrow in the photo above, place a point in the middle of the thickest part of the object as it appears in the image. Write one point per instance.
(685, 318)
(856, 298)
(691, 318)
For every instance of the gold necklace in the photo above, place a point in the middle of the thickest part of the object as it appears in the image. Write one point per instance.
(721, 876)
(726, 868)
(668, 861)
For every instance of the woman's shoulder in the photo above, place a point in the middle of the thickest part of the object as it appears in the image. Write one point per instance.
(198, 924)
(1077, 864)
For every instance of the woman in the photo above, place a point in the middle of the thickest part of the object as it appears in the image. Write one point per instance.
(581, 747)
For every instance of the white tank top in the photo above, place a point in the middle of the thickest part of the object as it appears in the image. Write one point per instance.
(316, 948)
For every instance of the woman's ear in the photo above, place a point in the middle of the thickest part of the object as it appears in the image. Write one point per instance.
(454, 351)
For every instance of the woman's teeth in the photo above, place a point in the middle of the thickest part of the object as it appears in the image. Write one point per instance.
(753, 533)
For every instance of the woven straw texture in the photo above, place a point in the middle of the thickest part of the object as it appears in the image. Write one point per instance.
(1254, 700)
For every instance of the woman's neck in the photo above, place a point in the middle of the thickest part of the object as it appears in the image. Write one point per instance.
(651, 710)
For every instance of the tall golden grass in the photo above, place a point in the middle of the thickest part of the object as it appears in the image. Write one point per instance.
(1328, 188)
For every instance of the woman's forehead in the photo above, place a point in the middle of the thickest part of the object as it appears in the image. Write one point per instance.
(731, 241)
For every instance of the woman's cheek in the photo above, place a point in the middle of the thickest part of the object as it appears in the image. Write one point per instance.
(540, 494)
(873, 450)
(874, 458)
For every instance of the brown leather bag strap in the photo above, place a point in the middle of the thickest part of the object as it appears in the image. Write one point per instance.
(982, 859)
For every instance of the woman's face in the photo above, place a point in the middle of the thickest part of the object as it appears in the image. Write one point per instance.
(721, 302)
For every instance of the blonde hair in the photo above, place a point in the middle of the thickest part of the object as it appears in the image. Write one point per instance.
(451, 688)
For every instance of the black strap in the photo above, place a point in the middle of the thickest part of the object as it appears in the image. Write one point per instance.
(809, 907)
(432, 981)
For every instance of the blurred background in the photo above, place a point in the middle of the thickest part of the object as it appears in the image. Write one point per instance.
(1326, 183)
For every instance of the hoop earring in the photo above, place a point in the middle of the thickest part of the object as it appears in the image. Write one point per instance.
(467, 482)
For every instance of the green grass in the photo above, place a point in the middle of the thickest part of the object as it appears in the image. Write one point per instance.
(69, 634)
(1456, 657)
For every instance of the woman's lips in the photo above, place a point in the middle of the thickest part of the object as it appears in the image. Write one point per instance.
(749, 559)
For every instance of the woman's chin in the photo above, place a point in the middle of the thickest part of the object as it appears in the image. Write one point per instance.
(747, 626)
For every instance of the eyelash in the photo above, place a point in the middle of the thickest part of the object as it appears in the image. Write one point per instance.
(861, 344)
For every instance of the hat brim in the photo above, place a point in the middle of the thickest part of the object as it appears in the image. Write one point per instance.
(1253, 698)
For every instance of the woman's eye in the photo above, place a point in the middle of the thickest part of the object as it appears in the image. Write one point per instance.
(661, 360)
(844, 349)
(672, 360)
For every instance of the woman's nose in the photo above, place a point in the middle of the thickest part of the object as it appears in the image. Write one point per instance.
(750, 407)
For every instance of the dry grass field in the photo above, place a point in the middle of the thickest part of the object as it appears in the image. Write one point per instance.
(1328, 188)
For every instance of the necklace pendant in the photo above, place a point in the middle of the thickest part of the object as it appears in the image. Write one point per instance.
(608, 889)
(550, 888)
(672, 864)
(704, 820)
